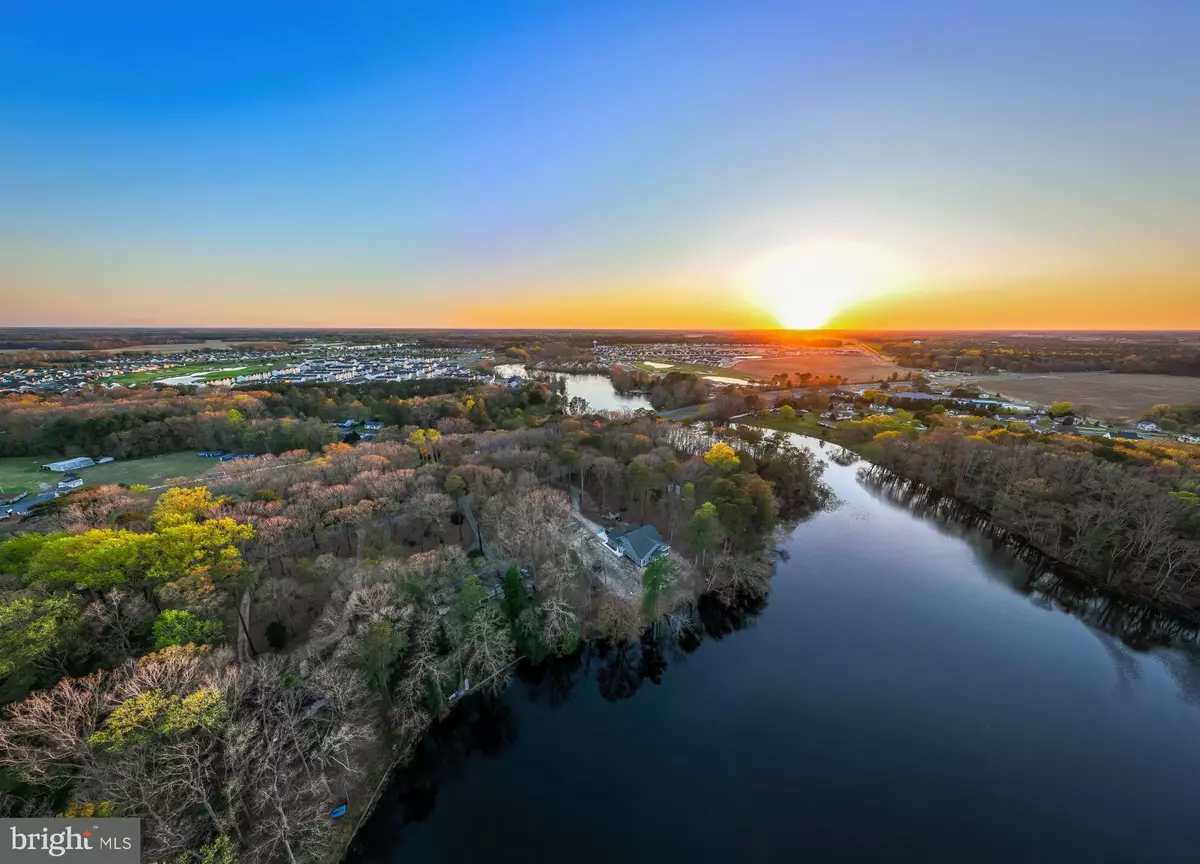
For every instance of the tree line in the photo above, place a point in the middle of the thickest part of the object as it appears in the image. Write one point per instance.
(1126, 513)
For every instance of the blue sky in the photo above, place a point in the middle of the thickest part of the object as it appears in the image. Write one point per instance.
(409, 164)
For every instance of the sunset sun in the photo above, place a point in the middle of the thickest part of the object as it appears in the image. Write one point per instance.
(805, 285)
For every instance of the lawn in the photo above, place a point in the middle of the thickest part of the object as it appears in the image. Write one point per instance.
(665, 365)
(24, 474)
(801, 424)
(847, 432)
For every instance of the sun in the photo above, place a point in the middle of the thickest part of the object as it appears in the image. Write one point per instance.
(805, 285)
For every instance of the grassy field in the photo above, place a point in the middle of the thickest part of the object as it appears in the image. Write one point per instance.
(801, 424)
(247, 370)
(1107, 394)
(854, 367)
(661, 366)
(202, 371)
(25, 474)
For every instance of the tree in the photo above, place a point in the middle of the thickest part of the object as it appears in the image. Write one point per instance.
(236, 418)
(788, 413)
(455, 487)
(99, 559)
(1059, 409)
(36, 632)
(376, 652)
(722, 458)
(433, 438)
(183, 504)
(417, 439)
(486, 650)
(656, 578)
(17, 552)
(705, 529)
(472, 596)
(118, 620)
(514, 593)
(153, 713)
(221, 850)
(179, 627)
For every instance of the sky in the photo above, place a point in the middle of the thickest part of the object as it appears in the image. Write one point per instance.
(554, 163)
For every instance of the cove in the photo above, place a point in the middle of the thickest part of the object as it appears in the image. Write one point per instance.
(906, 691)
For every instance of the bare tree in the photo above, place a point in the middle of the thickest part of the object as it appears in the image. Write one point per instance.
(116, 618)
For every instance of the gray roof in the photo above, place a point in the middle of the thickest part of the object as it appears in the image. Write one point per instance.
(643, 540)
(70, 464)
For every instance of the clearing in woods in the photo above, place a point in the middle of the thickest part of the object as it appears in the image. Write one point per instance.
(856, 367)
(25, 473)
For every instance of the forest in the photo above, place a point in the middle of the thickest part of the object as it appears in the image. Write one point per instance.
(230, 661)
(1124, 512)
(1163, 353)
(270, 419)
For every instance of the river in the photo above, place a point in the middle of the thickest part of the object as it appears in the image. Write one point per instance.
(596, 389)
(905, 692)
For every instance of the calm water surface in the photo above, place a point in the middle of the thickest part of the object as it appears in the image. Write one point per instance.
(900, 696)
(596, 389)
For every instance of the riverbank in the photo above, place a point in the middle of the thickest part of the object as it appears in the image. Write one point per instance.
(1084, 586)
(934, 679)
(850, 435)
(810, 424)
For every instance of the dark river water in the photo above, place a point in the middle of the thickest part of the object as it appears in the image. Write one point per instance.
(905, 692)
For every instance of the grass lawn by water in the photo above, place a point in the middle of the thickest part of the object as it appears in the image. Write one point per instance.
(691, 369)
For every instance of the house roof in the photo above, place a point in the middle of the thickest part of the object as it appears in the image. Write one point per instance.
(643, 541)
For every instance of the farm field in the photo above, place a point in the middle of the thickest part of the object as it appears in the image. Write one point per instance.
(25, 474)
(1107, 394)
(854, 367)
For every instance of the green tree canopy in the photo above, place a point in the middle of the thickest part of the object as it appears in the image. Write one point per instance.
(656, 578)
(376, 653)
(705, 529)
(33, 631)
(180, 627)
(472, 596)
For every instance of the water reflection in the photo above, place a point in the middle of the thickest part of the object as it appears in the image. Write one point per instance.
(1029, 572)
(485, 725)
(596, 389)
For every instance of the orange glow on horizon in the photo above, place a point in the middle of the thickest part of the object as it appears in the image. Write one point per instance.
(1170, 304)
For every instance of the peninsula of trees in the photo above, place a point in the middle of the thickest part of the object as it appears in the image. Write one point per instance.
(230, 660)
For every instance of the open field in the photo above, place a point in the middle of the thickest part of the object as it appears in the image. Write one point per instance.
(1107, 394)
(662, 366)
(854, 367)
(25, 474)
(197, 371)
